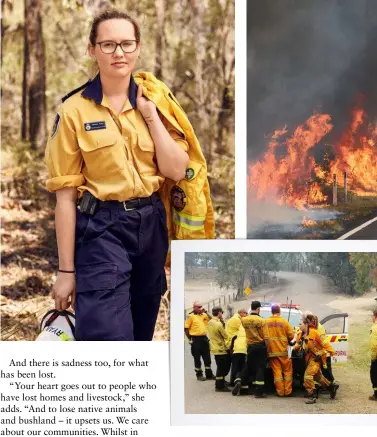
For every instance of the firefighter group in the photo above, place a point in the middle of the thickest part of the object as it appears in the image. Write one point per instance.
(247, 342)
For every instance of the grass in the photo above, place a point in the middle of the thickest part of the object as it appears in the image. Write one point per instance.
(358, 353)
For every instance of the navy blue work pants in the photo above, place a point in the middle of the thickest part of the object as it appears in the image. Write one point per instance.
(120, 277)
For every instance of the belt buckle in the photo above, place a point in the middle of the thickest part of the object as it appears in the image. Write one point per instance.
(125, 207)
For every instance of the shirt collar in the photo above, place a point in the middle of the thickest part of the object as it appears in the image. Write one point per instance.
(94, 91)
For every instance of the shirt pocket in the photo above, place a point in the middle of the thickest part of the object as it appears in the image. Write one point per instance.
(145, 155)
(100, 148)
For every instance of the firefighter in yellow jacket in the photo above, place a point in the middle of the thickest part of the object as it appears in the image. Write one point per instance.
(217, 341)
(327, 368)
(257, 342)
(315, 355)
(280, 333)
(373, 355)
(196, 328)
(239, 355)
(232, 327)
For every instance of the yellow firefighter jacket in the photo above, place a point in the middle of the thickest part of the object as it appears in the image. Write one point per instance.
(232, 328)
(313, 347)
(217, 336)
(188, 203)
(373, 342)
(255, 328)
(325, 341)
(280, 332)
(240, 345)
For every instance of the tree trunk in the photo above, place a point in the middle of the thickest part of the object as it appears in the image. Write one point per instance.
(160, 13)
(198, 7)
(34, 86)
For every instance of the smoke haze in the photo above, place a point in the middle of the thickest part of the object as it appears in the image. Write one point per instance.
(306, 55)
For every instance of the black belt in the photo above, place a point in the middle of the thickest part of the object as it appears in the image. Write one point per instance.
(128, 205)
(88, 203)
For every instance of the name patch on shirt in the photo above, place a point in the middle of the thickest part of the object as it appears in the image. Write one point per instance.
(95, 125)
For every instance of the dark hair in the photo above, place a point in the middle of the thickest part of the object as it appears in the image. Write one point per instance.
(255, 304)
(375, 312)
(311, 319)
(109, 14)
(216, 311)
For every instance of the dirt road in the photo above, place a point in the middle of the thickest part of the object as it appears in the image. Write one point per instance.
(314, 293)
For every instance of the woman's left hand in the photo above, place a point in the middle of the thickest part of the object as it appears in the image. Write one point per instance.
(145, 106)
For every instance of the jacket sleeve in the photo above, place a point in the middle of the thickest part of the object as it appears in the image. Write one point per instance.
(231, 329)
(373, 343)
(63, 156)
(188, 323)
(222, 332)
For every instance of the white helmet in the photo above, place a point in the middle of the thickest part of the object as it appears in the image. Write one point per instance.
(57, 326)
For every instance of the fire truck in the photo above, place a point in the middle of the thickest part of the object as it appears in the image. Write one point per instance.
(336, 326)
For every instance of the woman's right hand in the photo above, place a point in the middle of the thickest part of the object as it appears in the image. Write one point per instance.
(63, 291)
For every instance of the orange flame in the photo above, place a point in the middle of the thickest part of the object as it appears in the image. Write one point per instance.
(289, 175)
(307, 223)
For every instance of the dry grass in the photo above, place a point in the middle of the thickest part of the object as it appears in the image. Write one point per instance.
(29, 263)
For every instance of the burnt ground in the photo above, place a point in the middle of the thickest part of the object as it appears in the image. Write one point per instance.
(29, 264)
(290, 227)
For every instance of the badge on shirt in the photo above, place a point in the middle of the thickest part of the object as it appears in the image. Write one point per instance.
(56, 125)
(177, 198)
(190, 173)
(95, 125)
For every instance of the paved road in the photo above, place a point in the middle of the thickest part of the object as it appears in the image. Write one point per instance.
(311, 292)
(366, 231)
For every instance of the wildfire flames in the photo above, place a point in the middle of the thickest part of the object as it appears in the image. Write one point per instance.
(307, 223)
(297, 170)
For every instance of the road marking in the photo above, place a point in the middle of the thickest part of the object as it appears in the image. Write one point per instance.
(364, 225)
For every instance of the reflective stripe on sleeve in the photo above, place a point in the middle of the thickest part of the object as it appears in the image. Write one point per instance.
(188, 221)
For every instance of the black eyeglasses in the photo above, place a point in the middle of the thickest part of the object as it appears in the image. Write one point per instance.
(108, 47)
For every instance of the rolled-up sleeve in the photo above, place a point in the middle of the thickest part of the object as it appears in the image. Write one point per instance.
(177, 136)
(63, 156)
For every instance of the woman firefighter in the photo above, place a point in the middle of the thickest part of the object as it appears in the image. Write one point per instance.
(110, 151)
(315, 356)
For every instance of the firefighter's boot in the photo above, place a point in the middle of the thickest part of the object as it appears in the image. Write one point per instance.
(317, 391)
(311, 399)
(373, 397)
(209, 374)
(222, 389)
(200, 378)
(244, 390)
(237, 388)
(333, 389)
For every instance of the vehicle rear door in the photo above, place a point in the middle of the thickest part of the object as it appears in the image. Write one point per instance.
(336, 326)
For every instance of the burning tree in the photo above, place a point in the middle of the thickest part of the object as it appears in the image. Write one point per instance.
(297, 170)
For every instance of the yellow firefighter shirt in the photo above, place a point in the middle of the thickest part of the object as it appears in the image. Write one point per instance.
(280, 332)
(255, 328)
(217, 336)
(94, 149)
(232, 327)
(373, 342)
(197, 324)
